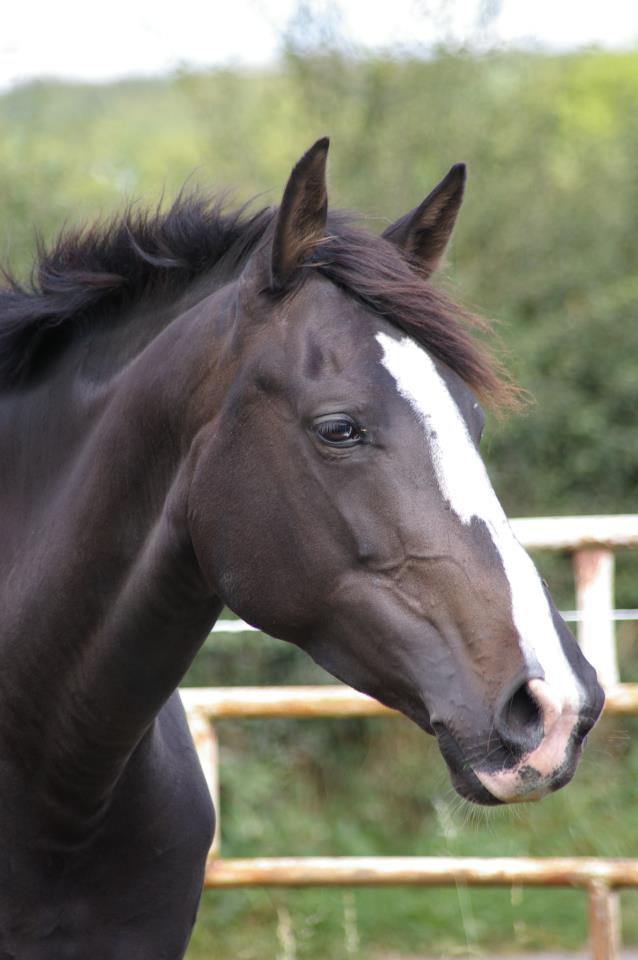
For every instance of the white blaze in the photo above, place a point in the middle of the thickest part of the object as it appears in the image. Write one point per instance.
(466, 486)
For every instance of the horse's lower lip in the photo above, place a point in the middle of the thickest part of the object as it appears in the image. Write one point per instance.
(470, 788)
(464, 780)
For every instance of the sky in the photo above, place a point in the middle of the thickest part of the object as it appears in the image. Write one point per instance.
(76, 39)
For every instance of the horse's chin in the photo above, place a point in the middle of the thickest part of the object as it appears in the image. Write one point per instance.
(470, 788)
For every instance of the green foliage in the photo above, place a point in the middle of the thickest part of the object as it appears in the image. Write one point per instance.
(547, 244)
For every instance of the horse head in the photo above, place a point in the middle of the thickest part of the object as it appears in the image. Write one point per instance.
(339, 500)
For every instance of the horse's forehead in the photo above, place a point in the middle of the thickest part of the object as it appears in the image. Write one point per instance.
(332, 332)
(320, 307)
(413, 368)
(325, 326)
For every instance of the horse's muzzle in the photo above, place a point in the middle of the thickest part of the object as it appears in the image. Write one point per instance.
(533, 750)
(552, 763)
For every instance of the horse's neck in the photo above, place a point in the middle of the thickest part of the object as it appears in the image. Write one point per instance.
(104, 605)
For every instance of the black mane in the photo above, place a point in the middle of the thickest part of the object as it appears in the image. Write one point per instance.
(110, 264)
(88, 272)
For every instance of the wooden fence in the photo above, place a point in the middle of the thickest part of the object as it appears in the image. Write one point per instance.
(591, 541)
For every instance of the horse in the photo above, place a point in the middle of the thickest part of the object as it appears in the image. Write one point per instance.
(274, 411)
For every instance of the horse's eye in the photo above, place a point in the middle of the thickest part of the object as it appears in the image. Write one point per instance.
(338, 431)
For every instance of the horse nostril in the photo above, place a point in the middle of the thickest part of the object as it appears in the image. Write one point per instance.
(520, 721)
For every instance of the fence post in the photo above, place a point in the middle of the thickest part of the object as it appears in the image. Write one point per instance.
(207, 747)
(594, 573)
(604, 921)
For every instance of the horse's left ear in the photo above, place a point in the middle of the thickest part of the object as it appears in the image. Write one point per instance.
(424, 233)
(302, 215)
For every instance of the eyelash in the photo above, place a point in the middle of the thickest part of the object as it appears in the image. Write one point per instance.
(339, 430)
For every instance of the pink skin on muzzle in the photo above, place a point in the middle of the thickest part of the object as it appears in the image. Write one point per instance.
(536, 773)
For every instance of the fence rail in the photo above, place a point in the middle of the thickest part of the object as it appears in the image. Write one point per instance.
(422, 871)
(591, 541)
(217, 703)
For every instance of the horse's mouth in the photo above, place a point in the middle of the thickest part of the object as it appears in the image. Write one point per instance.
(470, 788)
(523, 783)
(464, 779)
(518, 783)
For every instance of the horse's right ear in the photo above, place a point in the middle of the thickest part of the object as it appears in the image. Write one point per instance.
(302, 215)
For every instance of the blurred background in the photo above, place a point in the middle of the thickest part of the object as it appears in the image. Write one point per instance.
(100, 106)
